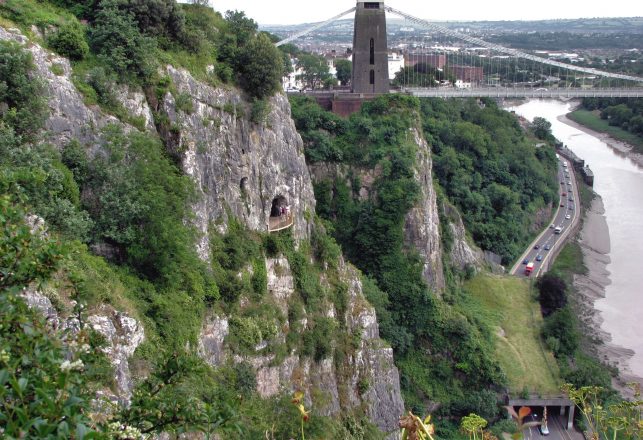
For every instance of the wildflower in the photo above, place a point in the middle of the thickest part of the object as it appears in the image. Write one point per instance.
(4, 357)
(70, 366)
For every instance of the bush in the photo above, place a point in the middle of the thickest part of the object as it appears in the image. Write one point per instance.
(260, 67)
(259, 111)
(22, 96)
(69, 41)
(561, 325)
(552, 293)
(116, 39)
(42, 395)
(103, 83)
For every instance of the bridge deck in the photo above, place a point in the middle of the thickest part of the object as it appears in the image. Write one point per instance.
(500, 92)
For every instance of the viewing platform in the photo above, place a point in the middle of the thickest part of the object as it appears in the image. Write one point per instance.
(281, 222)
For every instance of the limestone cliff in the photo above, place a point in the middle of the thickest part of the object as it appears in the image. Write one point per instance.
(422, 224)
(462, 252)
(242, 169)
(366, 378)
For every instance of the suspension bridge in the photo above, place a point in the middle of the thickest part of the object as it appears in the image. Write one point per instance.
(446, 63)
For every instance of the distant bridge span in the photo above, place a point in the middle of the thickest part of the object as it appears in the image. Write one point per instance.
(502, 92)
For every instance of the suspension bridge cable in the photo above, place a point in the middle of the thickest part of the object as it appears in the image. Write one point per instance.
(507, 50)
(315, 27)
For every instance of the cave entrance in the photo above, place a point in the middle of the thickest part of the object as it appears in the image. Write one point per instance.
(280, 215)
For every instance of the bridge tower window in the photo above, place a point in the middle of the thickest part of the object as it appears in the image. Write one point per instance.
(371, 5)
(372, 51)
(372, 77)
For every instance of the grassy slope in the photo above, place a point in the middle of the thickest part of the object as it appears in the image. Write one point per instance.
(592, 120)
(506, 303)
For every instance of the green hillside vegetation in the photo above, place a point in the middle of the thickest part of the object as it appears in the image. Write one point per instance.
(131, 201)
(507, 305)
(619, 121)
(445, 350)
(489, 170)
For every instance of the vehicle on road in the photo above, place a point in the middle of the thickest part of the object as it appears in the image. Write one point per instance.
(543, 429)
(547, 247)
(562, 205)
(529, 268)
(564, 194)
(568, 216)
(525, 261)
(537, 246)
(571, 207)
(552, 226)
(558, 230)
(539, 258)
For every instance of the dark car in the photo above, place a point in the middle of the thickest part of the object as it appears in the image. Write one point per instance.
(539, 258)
(562, 205)
(525, 261)
(537, 246)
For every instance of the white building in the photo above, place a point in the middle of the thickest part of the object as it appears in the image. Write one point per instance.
(395, 64)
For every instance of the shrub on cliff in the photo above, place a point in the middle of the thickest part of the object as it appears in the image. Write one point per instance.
(69, 41)
(261, 68)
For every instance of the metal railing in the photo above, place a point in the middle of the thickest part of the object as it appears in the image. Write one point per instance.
(280, 222)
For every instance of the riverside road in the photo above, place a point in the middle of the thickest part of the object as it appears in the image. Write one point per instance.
(549, 242)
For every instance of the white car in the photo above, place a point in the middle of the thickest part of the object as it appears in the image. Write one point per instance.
(568, 216)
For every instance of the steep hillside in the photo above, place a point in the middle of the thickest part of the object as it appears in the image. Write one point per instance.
(162, 214)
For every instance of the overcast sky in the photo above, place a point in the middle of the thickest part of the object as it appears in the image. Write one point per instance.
(304, 11)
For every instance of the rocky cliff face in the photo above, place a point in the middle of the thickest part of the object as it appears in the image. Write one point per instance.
(123, 334)
(463, 253)
(69, 117)
(366, 377)
(241, 168)
(422, 224)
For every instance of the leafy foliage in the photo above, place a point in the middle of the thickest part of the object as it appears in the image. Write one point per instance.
(489, 171)
(552, 291)
(624, 113)
(22, 104)
(42, 394)
(370, 232)
(69, 41)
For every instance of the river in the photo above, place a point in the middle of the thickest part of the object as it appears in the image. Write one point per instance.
(619, 181)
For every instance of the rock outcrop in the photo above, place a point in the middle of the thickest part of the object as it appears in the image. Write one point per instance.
(422, 224)
(242, 169)
(366, 377)
(123, 334)
(69, 117)
(463, 252)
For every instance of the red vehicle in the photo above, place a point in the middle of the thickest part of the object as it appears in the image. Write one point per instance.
(529, 268)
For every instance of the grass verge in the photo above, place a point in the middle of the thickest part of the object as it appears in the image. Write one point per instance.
(593, 121)
(507, 304)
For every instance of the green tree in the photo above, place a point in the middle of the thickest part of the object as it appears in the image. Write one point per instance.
(560, 325)
(22, 98)
(69, 40)
(261, 67)
(542, 128)
(314, 70)
(116, 38)
(344, 71)
(552, 293)
(42, 394)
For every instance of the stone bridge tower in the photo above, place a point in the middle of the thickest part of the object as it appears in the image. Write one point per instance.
(370, 50)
